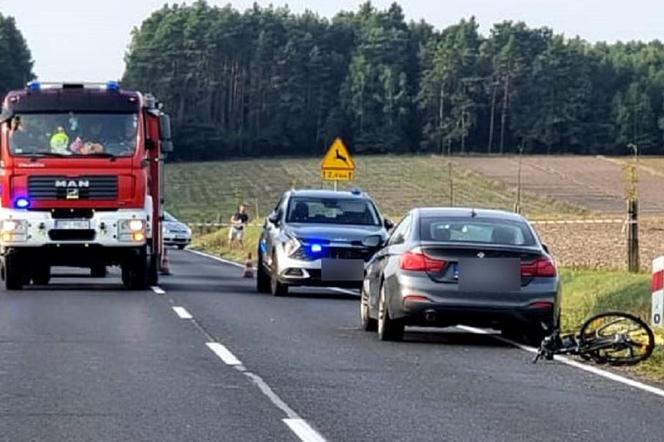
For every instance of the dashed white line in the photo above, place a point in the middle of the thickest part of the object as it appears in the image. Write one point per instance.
(223, 353)
(158, 290)
(302, 429)
(572, 363)
(182, 313)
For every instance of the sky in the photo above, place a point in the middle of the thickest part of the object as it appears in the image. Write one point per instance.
(85, 40)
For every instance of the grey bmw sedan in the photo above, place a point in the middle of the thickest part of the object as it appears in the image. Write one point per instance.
(449, 266)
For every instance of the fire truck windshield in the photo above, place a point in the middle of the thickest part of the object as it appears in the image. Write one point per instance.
(73, 134)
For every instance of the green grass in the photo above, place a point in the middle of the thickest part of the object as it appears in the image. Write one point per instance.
(210, 191)
(585, 292)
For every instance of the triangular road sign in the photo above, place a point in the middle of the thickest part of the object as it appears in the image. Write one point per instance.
(338, 157)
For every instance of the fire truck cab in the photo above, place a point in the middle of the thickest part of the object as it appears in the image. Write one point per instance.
(81, 182)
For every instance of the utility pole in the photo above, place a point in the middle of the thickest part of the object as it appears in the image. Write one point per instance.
(451, 182)
(517, 204)
(633, 263)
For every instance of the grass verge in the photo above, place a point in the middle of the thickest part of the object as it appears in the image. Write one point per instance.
(585, 292)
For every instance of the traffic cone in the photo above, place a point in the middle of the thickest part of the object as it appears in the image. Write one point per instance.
(165, 264)
(248, 271)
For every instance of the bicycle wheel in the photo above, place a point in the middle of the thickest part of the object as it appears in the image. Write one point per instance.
(616, 338)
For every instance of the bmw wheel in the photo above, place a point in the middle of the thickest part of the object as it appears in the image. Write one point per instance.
(388, 329)
(367, 323)
(276, 287)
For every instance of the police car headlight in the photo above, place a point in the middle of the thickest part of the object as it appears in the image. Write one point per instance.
(292, 245)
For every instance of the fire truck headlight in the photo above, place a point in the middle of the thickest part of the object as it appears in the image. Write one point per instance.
(132, 230)
(12, 230)
(13, 226)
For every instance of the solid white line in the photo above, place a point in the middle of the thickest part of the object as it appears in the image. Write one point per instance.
(223, 353)
(345, 291)
(572, 363)
(302, 430)
(216, 258)
(182, 313)
(271, 395)
(158, 290)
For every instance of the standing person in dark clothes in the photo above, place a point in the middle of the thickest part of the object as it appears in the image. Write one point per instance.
(239, 222)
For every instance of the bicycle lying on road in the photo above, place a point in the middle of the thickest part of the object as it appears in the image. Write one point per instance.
(613, 338)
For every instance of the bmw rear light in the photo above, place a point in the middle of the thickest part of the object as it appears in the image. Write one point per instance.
(416, 261)
(543, 267)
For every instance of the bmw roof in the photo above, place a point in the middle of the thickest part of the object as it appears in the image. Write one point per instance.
(467, 212)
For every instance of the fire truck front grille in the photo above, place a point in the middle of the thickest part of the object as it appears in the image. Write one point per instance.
(73, 188)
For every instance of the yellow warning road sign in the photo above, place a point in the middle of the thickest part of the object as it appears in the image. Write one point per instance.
(338, 164)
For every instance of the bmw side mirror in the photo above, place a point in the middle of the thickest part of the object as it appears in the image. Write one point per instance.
(388, 223)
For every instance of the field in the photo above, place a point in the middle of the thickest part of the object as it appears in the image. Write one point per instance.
(594, 182)
(210, 191)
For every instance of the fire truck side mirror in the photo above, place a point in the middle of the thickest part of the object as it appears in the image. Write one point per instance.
(164, 127)
(167, 146)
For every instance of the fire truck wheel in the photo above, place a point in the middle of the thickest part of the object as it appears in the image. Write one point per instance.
(138, 273)
(12, 273)
(153, 275)
(98, 271)
(126, 275)
(41, 275)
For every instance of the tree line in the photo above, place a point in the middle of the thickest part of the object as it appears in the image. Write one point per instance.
(15, 57)
(270, 82)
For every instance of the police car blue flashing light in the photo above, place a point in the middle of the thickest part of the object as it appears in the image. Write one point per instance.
(34, 86)
(113, 86)
(22, 203)
(316, 248)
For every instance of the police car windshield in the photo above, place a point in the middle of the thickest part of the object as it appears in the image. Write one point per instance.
(73, 134)
(351, 211)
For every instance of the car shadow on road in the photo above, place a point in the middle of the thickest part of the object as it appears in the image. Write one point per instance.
(248, 287)
(84, 288)
(451, 336)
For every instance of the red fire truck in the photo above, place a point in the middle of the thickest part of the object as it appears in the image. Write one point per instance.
(81, 182)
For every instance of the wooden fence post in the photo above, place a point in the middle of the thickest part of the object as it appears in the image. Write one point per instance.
(633, 264)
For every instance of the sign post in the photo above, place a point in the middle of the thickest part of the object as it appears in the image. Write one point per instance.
(338, 164)
(657, 313)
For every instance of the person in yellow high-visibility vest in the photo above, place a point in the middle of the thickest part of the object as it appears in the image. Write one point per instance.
(60, 141)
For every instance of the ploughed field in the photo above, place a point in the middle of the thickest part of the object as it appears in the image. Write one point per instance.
(554, 188)
(596, 183)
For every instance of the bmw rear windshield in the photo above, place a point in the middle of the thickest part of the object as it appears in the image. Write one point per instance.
(328, 210)
(477, 230)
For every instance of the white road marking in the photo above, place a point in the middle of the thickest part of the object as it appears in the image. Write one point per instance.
(158, 290)
(572, 363)
(302, 430)
(182, 313)
(223, 353)
(345, 291)
(216, 258)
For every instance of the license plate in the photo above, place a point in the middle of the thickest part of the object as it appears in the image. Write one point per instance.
(71, 224)
(342, 270)
(180, 236)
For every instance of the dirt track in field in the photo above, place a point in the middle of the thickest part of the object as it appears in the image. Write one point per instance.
(594, 182)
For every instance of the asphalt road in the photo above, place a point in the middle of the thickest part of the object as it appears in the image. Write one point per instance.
(85, 360)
